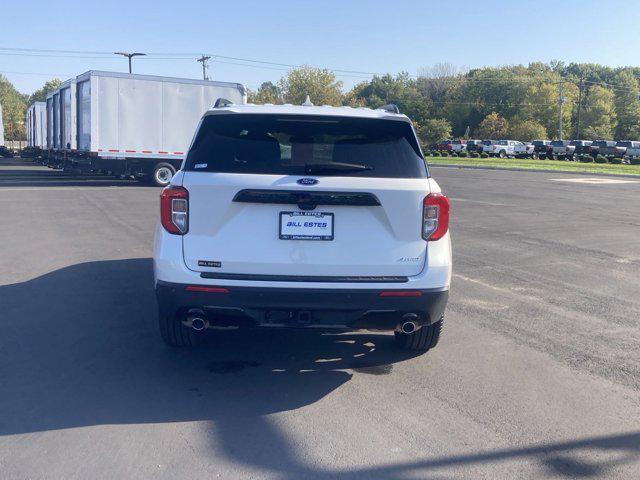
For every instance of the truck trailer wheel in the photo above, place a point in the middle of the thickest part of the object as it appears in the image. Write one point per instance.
(162, 174)
(423, 339)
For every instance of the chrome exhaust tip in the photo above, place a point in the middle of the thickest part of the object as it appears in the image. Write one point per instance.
(198, 324)
(408, 327)
(197, 320)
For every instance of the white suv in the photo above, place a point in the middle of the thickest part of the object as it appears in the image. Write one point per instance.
(303, 217)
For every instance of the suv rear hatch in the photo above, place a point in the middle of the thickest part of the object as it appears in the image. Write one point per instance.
(259, 184)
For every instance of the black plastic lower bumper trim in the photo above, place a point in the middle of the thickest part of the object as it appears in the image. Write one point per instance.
(303, 307)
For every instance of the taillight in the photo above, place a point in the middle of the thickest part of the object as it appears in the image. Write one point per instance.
(435, 216)
(174, 210)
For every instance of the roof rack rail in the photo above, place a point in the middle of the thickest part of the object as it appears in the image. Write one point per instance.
(222, 102)
(390, 107)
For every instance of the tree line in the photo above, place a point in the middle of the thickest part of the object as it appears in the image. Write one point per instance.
(519, 102)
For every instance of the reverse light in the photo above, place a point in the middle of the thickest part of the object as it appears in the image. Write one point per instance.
(174, 210)
(435, 216)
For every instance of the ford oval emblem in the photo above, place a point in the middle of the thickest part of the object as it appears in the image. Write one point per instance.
(307, 181)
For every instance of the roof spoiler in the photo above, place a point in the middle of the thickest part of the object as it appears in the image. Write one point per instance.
(222, 102)
(390, 107)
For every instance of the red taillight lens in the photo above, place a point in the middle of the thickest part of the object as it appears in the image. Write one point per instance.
(435, 216)
(206, 289)
(174, 210)
(401, 293)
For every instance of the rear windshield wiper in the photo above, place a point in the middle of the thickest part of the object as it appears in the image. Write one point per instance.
(312, 168)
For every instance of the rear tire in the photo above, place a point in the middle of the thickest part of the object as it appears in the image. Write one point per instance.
(175, 334)
(423, 339)
(162, 174)
(502, 154)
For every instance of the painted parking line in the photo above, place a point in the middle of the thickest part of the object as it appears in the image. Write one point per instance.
(594, 180)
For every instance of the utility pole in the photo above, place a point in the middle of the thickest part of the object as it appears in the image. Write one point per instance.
(579, 108)
(130, 56)
(560, 102)
(204, 59)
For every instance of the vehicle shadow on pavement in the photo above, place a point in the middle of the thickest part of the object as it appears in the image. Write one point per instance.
(80, 347)
(27, 173)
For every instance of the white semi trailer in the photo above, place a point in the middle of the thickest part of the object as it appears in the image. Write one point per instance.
(36, 129)
(52, 156)
(140, 125)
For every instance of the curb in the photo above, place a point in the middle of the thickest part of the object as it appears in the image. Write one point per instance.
(513, 169)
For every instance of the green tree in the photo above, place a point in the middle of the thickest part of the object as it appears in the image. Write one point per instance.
(41, 94)
(433, 130)
(526, 130)
(493, 126)
(541, 105)
(598, 118)
(13, 110)
(320, 84)
(400, 90)
(627, 106)
(267, 93)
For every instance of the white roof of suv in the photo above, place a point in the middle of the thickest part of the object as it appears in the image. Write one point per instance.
(324, 110)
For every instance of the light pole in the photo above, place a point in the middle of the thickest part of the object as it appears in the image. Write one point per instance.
(129, 56)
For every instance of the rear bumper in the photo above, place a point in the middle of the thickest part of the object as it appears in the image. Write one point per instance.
(349, 309)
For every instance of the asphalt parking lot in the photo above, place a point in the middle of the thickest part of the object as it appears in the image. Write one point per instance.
(537, 374)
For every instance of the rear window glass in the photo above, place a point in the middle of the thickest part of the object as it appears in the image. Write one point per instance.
(488, 142)
(558, 143)
(458, 142)
(539, 142)
(624, 144)
(304, 145)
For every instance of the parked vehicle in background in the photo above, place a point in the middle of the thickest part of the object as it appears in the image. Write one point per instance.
(487, 146)
(582, 148)
(458, 145)
(445, 145)
(523, 150)
(559, 148)
(633, 149)
(502, 148)
(611, 148)
(541, 148)
(317, 180)
(474, 146)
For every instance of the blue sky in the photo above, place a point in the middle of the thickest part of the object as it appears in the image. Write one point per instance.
(369, 36)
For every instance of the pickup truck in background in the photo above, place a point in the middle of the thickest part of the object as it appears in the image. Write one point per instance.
(523, 150)
(632, 149)
(583, 148)
(561, 148)
(487, 146)
(541, 148)
(445, 145)
(474, 146)
(458, 145)
(610, 148)
(574, 145)
(501, 148)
